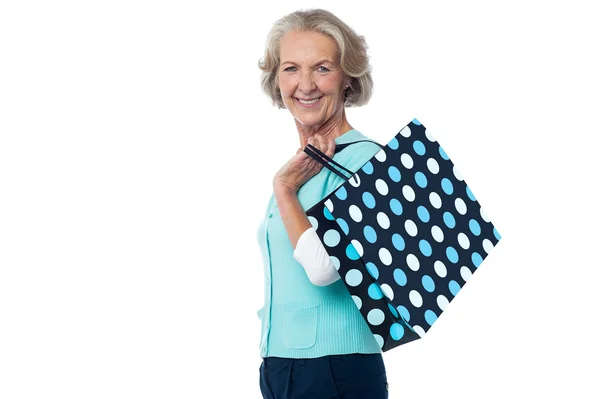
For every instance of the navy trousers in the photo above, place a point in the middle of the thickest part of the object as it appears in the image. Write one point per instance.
(353, 376)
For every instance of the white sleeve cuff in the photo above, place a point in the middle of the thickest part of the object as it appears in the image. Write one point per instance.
(315, 260)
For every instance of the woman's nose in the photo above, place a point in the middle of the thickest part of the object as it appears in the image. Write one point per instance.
(306, 82)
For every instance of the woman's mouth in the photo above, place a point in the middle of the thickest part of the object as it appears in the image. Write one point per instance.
(308, 104)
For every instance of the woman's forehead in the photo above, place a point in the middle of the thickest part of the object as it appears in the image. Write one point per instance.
(313, 47)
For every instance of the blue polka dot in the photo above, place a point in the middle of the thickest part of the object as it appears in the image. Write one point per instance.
(327, 214)
(396, 206)
(375, 317)
(351, 252)
(393, 144)
(430, 317)
(423, 213)
(449, 220)
(394, 173)
(368, 199)
(452, 255)
(447, 186)
(400, 277)
(474, 227)
(396, 331)
(372, 269)
(393, 310)
(425, 247)
(398, 242)
(443, 154)
(354, 277)
(335, 261)
(470, 194)
(343, 225)
(404, 313)
(368, 168)
(497, 235)
(341, 193)
(416, 122)
(375, 292)
(419, 147)
(428, 283)
(370, 234)
(331, 238)
(476, 259)
(454, 287)
(420, 179)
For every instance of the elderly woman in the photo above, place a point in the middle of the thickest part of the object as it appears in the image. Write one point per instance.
(314, 342)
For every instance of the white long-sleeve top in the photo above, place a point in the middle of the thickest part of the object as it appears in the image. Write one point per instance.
(312, 255)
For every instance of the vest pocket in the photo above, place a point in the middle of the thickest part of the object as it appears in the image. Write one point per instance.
(300, 327)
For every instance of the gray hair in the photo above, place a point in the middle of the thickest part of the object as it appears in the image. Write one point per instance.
(352, 49)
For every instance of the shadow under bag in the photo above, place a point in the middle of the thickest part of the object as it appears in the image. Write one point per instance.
(405, 233)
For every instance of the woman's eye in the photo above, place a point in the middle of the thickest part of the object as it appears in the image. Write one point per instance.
(324, 69)
(287, 69)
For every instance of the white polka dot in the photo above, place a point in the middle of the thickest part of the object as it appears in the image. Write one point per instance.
(379, 340)
(487, 246)
(435, 200)
(412, 262)
(329, 205)
(419, 330)
(405, 132)
(408, 193)
(415, 298)
(387, 291)
(383, 220)
(407, 161)
(463, 241)
(355, 180)
(385, 256)
(358, 246)
(483, 215)
(460, 206)
(380, 156)
(442, 302)
(465, 273)
(437, 233)
(335, 261)
(429, 136)
(433, 166)
(375, 316)
(357, 301)
(355, 213)
(382, 187)
(411, 227)
(354, 277)
(313, 222)
(440, 268)
(456, 173)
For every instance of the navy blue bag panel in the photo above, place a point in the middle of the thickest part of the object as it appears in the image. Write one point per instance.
(406, 234)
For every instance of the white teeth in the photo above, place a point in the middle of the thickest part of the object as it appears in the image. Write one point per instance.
(309, 102)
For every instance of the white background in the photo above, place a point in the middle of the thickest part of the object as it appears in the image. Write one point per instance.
(136, 158)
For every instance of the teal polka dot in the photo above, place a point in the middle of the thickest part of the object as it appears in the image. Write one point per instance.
(375, 317)
(400, 277)
(452, 255)
(354, 277)
(470, 194)
(398, 242)
(368, 168)
(423, 214)
(476, 259)
(425, 247)
(341, 193)
(394, 173)
(419, 147)
(497, 235)
(351, 252)
(331, 238)
(416, 122)
(343, 225)
(375, 292)
(428, 283)
(393, 144)
(368, 199)
(454, 287)
(420, 179)
(447, 186)
(443, 154)
(474, 227)
(449, 220)
(396, 331)
(430, 317)
(327, 214)
(370, 234)
(396, 206)
(393, 310)
(372, 269)
(404, 313)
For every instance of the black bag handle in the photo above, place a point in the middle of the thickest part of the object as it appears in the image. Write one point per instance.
(324, 160)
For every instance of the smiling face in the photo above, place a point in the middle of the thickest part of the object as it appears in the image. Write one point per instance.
(310, 78)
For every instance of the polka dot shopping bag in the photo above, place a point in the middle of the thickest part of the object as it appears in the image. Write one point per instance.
(405, 233)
